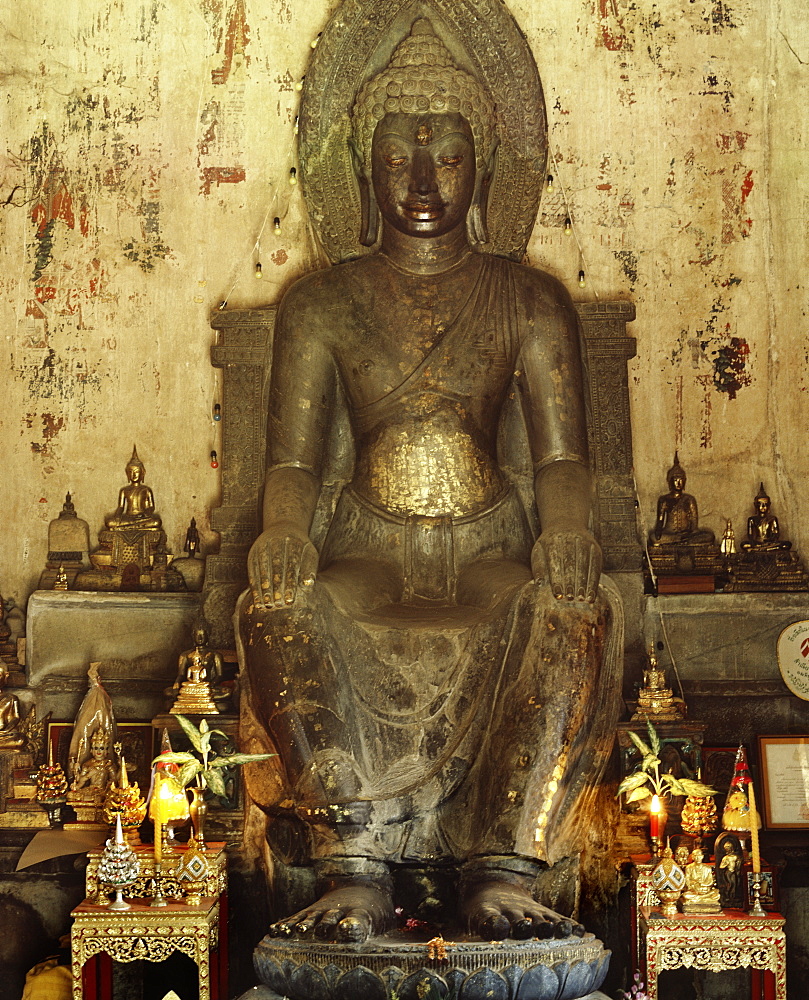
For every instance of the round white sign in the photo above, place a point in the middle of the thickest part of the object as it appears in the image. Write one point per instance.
(793, 658)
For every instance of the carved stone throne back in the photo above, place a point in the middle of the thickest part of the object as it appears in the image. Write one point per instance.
(243, 352)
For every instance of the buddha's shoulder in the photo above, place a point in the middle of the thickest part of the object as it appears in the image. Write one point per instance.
(329, 285)
(537, 287)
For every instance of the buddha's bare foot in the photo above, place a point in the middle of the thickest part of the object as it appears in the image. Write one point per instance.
(353, 911)
(496, 909)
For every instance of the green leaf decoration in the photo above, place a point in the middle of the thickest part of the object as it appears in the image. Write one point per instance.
(696, 788)
(637, 794)
(188, 772)
(214, 781)
(191, 732)
(240, 758)
(632, 781)
(655, 739)
(645, 751)
(180, 757)
(676, 786)
(203, 726)
(650, 762)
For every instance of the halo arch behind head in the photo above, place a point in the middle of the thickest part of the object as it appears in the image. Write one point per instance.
(485, 41)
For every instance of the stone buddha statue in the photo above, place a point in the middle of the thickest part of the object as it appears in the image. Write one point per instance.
(429, 676)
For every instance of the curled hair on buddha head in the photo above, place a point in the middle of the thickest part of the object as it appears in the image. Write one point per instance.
(675, 470)
(762, 493)
(422, 78)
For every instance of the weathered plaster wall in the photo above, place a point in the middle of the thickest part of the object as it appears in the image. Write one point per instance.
(145, 142)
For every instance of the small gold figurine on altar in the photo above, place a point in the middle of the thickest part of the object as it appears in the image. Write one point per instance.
(90, 764)
(700, 894)
(12, 736)
(767, 563)
(763, 532)
(88, 789)
(124, 801)
(656, 701)
(132, 553)
(189, 566)
(677, 544)
(199, 670)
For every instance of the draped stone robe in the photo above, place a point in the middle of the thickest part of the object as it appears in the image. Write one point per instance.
(429, 701)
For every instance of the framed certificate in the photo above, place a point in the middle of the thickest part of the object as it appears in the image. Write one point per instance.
(785, 777)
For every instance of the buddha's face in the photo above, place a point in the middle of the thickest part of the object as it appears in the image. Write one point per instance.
(763, 506)
(677, 483)
(423, 171)
(135, 473)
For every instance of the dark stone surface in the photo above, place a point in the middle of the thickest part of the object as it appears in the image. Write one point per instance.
(479, 970)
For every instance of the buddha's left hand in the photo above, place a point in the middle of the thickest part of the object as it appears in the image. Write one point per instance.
(569, 560)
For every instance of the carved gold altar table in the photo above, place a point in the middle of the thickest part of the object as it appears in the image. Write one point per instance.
(145, 932)
(215, 883)
(731, 939)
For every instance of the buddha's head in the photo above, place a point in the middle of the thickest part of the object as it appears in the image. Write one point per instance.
(135, 470)
(423, 142)
(762, 501)
(675, 477)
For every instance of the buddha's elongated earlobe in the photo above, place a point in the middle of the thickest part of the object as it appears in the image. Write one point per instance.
(369, 227)
(477, 218)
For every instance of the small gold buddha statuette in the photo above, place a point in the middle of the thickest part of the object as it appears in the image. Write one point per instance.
(199, 669)
(656, 701)
(132, 553)
(700, 894)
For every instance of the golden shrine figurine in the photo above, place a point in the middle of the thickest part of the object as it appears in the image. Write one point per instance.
(700, 894)
(12, 736)
(132, 553)
(767, 562)
(199, 671)
(656, 700)
(677, 544)
(88, 789)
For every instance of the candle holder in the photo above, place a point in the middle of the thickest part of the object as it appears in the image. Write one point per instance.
(158, 899)
(757, 910)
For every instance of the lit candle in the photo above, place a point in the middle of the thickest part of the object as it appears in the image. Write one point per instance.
(754, 830)
(654, 817)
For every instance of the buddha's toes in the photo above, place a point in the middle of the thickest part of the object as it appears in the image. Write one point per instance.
(349, 913)
(496, 910)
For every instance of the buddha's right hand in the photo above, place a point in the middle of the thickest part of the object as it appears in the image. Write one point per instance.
(281, 563)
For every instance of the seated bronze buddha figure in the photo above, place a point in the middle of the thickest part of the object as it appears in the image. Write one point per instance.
(431, 678)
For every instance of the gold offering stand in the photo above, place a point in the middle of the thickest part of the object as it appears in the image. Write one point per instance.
(716, 942)
(195, 926)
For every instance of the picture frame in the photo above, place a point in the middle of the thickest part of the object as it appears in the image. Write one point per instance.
(784, 767)
(135, 739)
